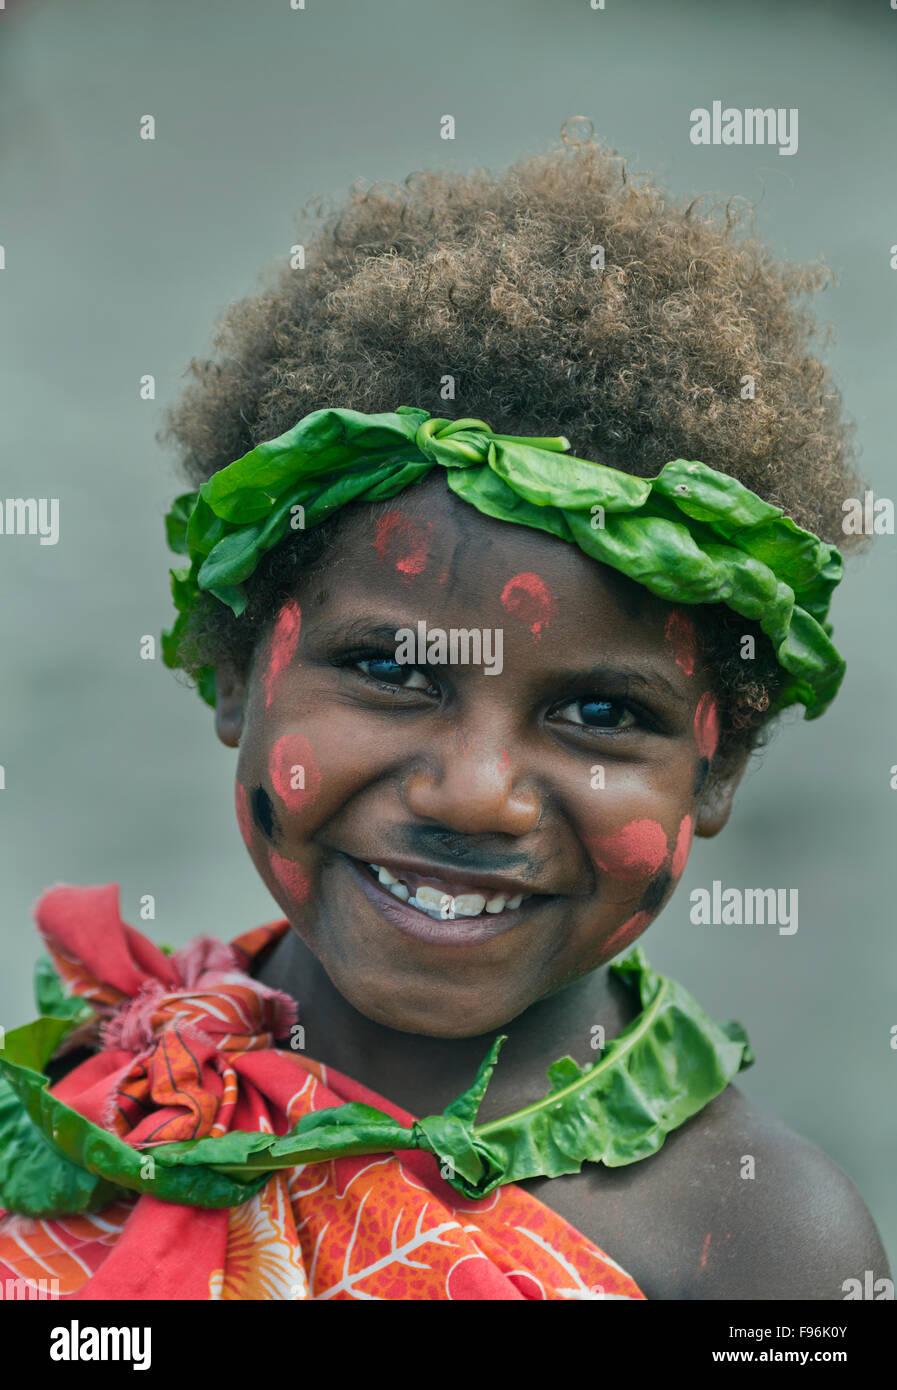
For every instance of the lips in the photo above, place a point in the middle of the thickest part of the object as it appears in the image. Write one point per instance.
(443, 899)
(471, 924)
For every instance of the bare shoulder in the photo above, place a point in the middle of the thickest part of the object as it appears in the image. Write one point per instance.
(734, 1206)
(779, 1219)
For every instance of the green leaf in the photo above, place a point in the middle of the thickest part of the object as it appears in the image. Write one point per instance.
(658, 1072)
(176, 522)
(204, 528)
(320, 1135)
(655, 1075)
(558, 480)
(473, 1166)
(206, 685)
(232, 560)
(690, 535)
(563, 1072)
(466, 1106)
(324, 441)
(52, 1000)
(35, 1178)
(40, 1129)
(33, 1045)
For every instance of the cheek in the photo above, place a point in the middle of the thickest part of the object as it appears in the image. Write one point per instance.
(294, 773)
(683, 845)
(528, 597)
(622, 937)
(403, 542)
(289, 876)
(284, 641)
(262, 809)
(680, 635)
(706, 725)
(633, 853)
(629, 932)
(244, 819)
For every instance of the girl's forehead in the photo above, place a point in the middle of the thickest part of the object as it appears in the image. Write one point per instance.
(427, 554)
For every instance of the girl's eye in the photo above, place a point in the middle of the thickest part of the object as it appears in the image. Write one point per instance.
(598, 714)
(389, 672)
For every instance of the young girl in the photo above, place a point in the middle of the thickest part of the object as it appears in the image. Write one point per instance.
(515, 526)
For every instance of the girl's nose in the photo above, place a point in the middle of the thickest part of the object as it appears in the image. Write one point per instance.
(475, 791)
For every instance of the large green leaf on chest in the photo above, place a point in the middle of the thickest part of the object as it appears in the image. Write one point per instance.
(656, 1074)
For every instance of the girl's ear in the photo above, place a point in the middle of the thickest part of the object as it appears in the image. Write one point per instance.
(230, 696)
(715, 801)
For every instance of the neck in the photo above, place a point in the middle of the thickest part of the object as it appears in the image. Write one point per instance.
(423, 1074)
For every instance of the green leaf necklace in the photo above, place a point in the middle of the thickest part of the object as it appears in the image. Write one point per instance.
(663, 1068)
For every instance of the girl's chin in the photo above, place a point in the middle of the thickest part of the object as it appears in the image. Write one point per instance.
(432, 1016)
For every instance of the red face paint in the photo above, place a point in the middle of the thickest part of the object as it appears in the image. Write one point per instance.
(244, 819)
(294, 772)
(289, 876)
(627, 933)
(284, 641)
(683, 845)
(637, 851)
(706, 725)
(403, 540)
(529, 598)
(680, 633)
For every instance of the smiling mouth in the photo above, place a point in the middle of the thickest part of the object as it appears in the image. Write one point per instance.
(426, 916)
(443, 901)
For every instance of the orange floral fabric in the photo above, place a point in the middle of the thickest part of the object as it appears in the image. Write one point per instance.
(188, 1050)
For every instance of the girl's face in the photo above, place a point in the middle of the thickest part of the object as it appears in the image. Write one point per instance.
(565, 767)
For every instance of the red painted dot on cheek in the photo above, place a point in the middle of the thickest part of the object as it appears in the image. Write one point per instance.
(289, 875)
(706, 725)
(244, 819)
(635, 852)
(683, 845)
(529, 598)
(284, 641)
(403, 540)
(680, 633)
(294, 772)
(628, 932)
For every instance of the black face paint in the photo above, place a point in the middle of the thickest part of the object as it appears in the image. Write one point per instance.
(263, 812)
(702, 768)
(655, 892)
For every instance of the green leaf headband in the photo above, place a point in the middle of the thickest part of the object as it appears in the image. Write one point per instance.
(690, 535)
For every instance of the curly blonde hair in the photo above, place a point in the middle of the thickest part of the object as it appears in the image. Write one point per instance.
(562, 296)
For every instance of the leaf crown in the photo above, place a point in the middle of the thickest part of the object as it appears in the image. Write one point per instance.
(690, 535)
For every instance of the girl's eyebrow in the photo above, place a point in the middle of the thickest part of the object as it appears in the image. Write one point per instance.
(621, 678)
(361, 630)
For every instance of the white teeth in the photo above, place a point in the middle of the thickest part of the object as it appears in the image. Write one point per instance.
(433, 897)
(469, 904)
(442, 905)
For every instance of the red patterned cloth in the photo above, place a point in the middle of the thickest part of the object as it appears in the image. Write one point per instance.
(187, 1050)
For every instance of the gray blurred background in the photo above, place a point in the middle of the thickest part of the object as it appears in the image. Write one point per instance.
(120, 255)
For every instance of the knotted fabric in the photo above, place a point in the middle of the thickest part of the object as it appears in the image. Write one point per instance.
(186, 1050)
